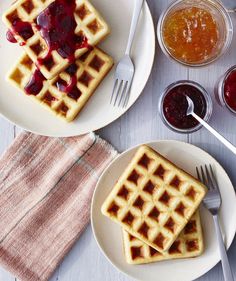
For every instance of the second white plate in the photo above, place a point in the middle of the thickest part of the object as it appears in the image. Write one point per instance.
(98, 113)
(109, 235)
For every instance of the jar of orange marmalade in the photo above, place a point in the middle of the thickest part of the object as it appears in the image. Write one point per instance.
(195, 32)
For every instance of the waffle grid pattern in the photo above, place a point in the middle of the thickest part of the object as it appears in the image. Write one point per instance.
(92, 67)
(188, 244)
(153, 199)
(89, 23)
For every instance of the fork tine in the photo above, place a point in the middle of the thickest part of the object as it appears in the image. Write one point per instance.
(214, 180)
(198, 174)
(123, 90)
(117, 91)
(127, 94)
(209, 179)
(113, 91)
(204, 179)
(202, 175)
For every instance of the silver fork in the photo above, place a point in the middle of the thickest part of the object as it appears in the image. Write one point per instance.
(125, 69)
(212, 202)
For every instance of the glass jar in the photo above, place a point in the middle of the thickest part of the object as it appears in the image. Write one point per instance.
(220, 19)
(226, 90)
(184, 87)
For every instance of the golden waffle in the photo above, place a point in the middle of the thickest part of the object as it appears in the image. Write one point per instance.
(88, 72)
(153, 199)
(89, 23)
(188, 244)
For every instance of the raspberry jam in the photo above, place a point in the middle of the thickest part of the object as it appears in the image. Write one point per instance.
(69, 88)
(57, 26)
(23, 29)
(35, 84)
(230, 90)
(10, 36)
(174, 106)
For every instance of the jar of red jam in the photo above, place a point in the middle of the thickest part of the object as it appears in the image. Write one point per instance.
(226, 90)
(173, 106)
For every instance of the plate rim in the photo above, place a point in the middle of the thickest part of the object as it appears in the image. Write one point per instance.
(13, 120)
(117, 159)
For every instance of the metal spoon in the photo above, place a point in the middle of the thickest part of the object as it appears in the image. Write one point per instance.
(190, 111)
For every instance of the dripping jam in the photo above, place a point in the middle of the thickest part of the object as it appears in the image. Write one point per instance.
(56, 25)
(70, 88)
(175, 106)
(10, 36)
(23, 29)
(35, 84)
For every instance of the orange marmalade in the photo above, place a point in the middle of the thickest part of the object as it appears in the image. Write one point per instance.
(191, 35)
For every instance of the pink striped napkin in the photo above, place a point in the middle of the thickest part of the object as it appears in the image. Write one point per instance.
(46, 185)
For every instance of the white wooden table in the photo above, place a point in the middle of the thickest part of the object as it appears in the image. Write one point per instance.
(142, 123)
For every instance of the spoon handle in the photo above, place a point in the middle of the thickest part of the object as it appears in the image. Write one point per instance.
(215, 133)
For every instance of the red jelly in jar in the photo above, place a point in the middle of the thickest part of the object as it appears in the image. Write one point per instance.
(227, 91)
(173, 106)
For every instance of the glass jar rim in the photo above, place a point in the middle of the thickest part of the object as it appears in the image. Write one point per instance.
(209, 105)
(225, 47)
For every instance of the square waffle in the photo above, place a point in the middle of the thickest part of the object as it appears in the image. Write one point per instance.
(188, 244)
(21, 19)
(153, 199)
(87, 73)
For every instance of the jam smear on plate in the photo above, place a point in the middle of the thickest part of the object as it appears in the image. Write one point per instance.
(230, 90)
(175, 106)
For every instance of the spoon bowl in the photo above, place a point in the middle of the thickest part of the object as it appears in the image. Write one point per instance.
(190, 109)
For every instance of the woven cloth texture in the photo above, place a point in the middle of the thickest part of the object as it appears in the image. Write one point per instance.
(46, 186)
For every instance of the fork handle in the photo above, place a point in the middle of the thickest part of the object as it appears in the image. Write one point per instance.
(136, 13)
(228, 276)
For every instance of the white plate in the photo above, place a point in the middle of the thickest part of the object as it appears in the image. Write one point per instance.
(98, 113)
(108, 234)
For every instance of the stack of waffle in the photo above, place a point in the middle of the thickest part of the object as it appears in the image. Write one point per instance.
(156, 204)
(61, 67)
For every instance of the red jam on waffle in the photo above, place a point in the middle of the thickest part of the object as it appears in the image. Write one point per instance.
(57, 26)
(24, 29)
(35, 84)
